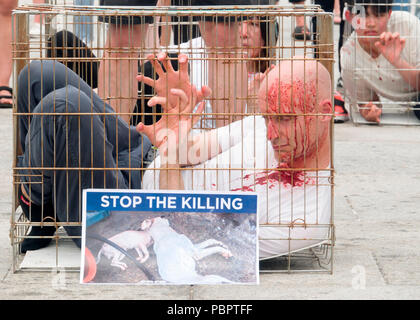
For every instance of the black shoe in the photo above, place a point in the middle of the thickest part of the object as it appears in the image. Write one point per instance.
(301, 33)
(340, 86)
(34, 213)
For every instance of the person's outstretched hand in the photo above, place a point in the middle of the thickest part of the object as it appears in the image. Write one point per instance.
(371, 112)
(176, 121)
(390, 46)
(171, 79)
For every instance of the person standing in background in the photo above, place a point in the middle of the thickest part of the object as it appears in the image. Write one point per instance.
(120, 59)
(6, 7)
(301, 32)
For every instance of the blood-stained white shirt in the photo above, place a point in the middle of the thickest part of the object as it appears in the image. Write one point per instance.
(247, 163)
(364, 76)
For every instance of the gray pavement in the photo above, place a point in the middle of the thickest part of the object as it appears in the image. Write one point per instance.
(376, 218)
(377, 229)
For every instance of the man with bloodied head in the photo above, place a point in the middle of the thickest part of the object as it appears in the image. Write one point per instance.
(283, 154)
(295, 100)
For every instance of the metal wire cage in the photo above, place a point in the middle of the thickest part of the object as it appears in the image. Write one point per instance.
(73, 120)
(371, 75)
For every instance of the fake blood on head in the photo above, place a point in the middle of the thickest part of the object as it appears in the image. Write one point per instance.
(283, 97)
(279, 101)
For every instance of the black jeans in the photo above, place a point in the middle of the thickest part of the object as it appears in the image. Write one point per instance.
(416, 108)
(65, 151)
(328, 6)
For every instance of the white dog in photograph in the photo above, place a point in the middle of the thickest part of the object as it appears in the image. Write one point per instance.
(176, 255)
(130, 239)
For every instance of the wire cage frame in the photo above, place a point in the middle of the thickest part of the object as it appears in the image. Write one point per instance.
(380, 79)
(30, 49)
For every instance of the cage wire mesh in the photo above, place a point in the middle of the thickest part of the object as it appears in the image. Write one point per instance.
(370, 76)
(74, 121)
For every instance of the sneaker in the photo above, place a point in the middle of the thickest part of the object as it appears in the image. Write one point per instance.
(36, 214)
(340, 86)
(301, 33)
(340, 113)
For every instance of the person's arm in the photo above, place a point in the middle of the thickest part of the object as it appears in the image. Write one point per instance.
(180, 124)
(170, 177)
(410, 74)
(172, 79)
(391, 46)
(170, 134)
(371, 111)
(117, 84)
(204, 145)
(153, 39)
(165, 37)
(207, 145)
(359, 90)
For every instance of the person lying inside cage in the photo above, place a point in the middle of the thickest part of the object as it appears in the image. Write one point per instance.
(71, 139)
(283, 154)
(381, 58)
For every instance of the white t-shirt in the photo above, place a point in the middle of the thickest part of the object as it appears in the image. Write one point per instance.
(242, 166)
(363, 75)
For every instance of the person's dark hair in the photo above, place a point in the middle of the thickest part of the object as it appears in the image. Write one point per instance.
(266, 24)
(64, 45)
(378, 7)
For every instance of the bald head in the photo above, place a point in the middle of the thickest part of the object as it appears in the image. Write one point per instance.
(296, 86)
(289, 95)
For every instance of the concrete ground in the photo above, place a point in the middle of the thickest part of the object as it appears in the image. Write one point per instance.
(376, 218)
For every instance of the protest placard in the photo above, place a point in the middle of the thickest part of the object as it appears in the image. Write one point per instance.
(169, 237)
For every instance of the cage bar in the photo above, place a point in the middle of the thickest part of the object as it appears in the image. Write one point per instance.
(370, 77)
(222, 65)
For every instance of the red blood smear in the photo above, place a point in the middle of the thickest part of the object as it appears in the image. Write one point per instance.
(304, 96)
(244, 188)
(304, 100)
(272, 178)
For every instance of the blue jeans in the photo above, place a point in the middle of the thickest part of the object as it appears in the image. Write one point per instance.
(73, 149)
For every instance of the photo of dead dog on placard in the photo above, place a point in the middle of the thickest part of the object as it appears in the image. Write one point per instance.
(169, 237)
